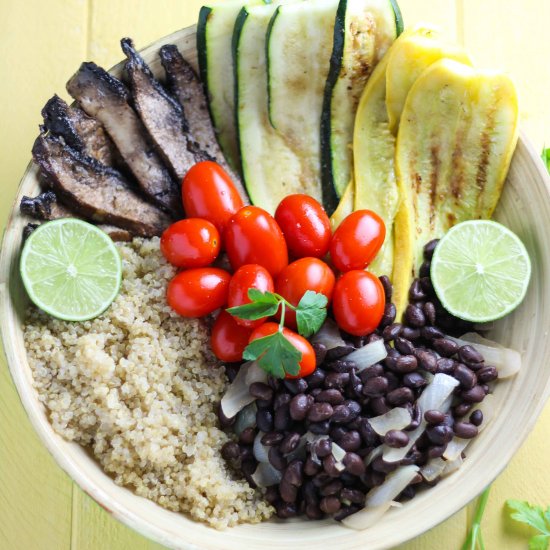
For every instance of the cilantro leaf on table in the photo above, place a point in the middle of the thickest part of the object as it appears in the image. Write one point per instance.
(264, 304)
(311, 312)
(275, 354)
(536, 517)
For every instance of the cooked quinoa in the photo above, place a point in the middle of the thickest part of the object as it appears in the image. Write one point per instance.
(139, 387)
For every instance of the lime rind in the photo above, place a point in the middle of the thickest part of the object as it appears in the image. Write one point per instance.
(71, 269)
(480, 271)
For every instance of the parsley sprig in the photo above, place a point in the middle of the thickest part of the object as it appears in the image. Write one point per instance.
(534, 516)
(274, 353)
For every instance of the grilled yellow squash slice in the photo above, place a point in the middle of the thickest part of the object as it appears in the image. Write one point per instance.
(373, 153)
(414, 52)
(456, 138)
(345, 206)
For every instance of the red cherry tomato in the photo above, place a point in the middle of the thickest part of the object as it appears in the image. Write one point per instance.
(307, 363)
(247, 277)
(358, 302)
(305, 225)
(198, 292)
(300, 276)
(209, 193)
(357, 240)
(252, 236)
(228, 339)
(193, 242)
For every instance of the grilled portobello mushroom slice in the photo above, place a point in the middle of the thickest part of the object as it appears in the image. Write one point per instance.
(96, 191)
(105, 98)
(47, 206)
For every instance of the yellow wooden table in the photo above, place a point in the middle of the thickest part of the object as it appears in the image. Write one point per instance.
(41, 44)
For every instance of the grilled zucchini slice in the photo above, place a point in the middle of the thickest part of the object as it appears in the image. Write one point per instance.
(345, 206)
(456, 139)
(363, 32)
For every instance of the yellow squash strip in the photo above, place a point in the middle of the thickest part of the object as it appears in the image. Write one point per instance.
(412, 53)
(345, 206)
(373, 152)
(456, 138)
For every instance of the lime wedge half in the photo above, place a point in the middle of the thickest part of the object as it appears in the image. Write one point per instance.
(480, 271)
(71, 269)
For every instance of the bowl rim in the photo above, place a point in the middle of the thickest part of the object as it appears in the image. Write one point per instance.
(34, 408)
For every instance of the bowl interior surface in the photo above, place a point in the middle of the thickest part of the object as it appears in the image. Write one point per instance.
(524, 208)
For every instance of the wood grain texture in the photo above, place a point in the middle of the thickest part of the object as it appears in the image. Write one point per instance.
(39, 507)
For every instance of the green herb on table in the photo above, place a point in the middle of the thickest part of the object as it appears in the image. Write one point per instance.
(534, 516)
(475, 540)
(274, 353)
(546, 158)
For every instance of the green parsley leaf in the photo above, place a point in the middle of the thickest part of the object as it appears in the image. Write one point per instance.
(546, 158)
(275, 354)
(539, 542)
(530, 514)
(311, 312)
(264, 304)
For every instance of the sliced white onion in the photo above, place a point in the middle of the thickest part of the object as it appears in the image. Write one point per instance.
(300, 451)
(434, 397)
(452, 465)
(311, 439)
(328, 335)
(266, 475)
(338, 453)
(237, 395)
(506, 360)
(433, 469)
(368, 355)
(260, 450)
(245, 418)
(395, 504)
(375, 453)
(397, 418)
(380, 498)
(455, 447)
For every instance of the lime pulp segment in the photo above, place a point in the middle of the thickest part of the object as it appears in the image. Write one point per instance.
(71, 269)
(480, 271)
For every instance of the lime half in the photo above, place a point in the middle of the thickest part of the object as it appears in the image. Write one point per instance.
(480, 271)
(71, 269)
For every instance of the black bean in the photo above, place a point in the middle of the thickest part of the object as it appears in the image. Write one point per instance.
(407, 493)
(246, 452)
(445, 346)
(354, 408)
(445, 365)
(355, 386)
(295, 386)
(380, 465)
(316, 378)
(230, 450)
(476, 418)
(247, 436)
(310, 493)
(272, 438)
(350, 441)
(290, 442)
(426, 359)
(276, 458)
(414, 380)
(414, 316)
(354, 464)
(429, 249)
(299, 405)
(282, 418)
(468, 355)
(341, 366)
(260, 391)
(389, 315)
(337, 432)
(406, 363)
(371, 372)
(439, 434)
(404, 346)
(319, 412)
(286, 510)
(416, 418)
(330, 505)
(462, 409)
(486, 388)
(392, 331)
(400, 396)
(424, 270)
(332, 396)
(413, 456)
(388, 287)
(436, 451)
(393, 381)
(322, 447)
(396, 439)
(341, 415)
(332, 488)
(465, 430)
(288, 492)
(311, 467)
(375, 387)
(426, 283)
(338, 352)
(416, 292)
(272, 494)
(314, 512)
(372, 478)
(320, 353)
(264, 420)
(487, 374)
(248, 466)
(225, 422)
(329, 465)
(378, 405)
(352, 495)
(429, 311)
(336, 380)
(431, 333)
(411, 333)
(434, 416)
(465, 376)
(370, 437)
(280, 400)
(319, 428)
(475, 395)
(294, 473)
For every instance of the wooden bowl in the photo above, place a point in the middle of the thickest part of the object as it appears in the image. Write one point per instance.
(524, 207)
